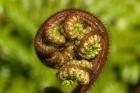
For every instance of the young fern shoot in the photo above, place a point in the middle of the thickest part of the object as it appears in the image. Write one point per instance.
(75, 43)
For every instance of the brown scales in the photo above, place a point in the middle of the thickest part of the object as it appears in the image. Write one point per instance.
(97, 27)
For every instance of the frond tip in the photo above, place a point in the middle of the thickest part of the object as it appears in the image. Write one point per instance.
(76, 43)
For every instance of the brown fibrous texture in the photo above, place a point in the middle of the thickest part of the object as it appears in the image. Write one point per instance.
(73, 40)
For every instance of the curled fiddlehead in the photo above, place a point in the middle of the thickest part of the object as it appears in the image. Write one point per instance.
(76, 43)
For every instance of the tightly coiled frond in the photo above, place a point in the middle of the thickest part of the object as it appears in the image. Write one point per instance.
(76, 43)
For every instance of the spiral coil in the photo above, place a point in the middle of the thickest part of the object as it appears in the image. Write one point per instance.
(76, 43)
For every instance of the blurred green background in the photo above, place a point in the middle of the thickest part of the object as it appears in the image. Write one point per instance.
(22, 72)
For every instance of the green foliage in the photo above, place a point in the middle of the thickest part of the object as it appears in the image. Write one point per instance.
(22, 72)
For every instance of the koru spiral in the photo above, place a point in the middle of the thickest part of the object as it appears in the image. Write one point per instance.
(76, 43)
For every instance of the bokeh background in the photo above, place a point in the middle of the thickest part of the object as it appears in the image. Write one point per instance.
(22, 72)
